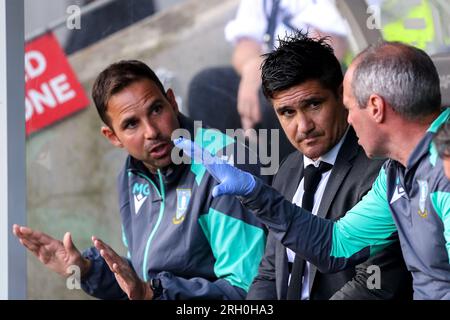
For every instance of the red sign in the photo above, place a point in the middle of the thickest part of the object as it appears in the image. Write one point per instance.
(51, 87)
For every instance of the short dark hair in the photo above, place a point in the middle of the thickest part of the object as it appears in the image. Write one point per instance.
(299, 58)
(442, 140)
(115, 78)
(403, 75)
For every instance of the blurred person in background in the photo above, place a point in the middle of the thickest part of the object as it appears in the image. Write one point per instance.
(420, 23)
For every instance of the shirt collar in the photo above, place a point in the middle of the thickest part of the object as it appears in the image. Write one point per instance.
(330, 156)
(443, 117)
(423, 147)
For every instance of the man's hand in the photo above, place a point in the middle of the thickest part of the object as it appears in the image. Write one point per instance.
(126, 277)
(54, 254)
(247, 61)
(232, 181)
(248, 105)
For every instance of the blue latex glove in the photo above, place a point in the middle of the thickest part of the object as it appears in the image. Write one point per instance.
(232, 181)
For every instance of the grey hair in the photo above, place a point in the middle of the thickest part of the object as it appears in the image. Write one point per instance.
(403, 75)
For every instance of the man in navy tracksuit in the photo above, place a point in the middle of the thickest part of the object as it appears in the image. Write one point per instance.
(182, 243)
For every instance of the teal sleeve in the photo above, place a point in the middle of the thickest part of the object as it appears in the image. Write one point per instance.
(236, 245)
(369, 224)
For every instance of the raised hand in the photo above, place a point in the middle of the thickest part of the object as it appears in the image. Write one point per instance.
(55, 254)
(248, 105)
(232, 181)
(126, 277)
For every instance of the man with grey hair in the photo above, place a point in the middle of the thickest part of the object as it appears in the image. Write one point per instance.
(391, 91)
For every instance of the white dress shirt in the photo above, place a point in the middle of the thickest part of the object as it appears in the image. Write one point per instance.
(329, 157)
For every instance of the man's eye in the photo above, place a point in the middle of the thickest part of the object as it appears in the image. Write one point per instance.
(287, 113)
(130, 125)
(315, 104)
(157, 109)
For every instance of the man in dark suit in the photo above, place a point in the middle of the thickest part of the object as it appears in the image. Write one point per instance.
(328, 175)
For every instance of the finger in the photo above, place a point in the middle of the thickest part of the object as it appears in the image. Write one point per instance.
(109, 261)
(255, 112)
(125, 273)
(102, 249)
(29, 245)
(115, 265)
(16, 230)
(246, 109)
(243, 109)
(120, 272)
(97, 243)
(107, 253)
(39, 249)
(251, 135)
(27, 237)
(218, 191)
(244, 101)
(247, 123)
(101, 245)
(116, 268)
(241, 103)
(25, 230)
(69, 245)
(35, 236)
(250, 110)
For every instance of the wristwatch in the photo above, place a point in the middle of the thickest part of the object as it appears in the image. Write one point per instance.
(157, 288)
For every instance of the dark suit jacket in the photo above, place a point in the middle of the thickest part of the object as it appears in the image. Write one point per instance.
(351, 178)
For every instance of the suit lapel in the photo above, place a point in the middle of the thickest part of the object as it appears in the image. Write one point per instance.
(343, 164)
(344, 160)
(281, 271)
(289, 187)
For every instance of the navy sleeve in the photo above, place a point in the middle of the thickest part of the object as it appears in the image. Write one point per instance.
(100, 281)
(178, 288)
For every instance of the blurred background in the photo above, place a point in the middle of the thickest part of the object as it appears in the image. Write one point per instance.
(71, 167)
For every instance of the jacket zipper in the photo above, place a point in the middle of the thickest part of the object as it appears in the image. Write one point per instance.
(158, 222)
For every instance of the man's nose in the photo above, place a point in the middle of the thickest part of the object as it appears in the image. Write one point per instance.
(304, 124)
(151, 131)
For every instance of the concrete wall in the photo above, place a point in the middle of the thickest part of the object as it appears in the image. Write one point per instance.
(71, 168)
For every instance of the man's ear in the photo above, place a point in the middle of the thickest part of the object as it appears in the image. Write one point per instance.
(377, 107)
(173, 102)
(111, 136)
